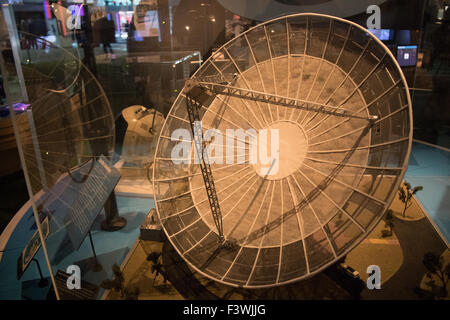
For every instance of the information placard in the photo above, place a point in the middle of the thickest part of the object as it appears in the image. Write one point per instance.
(91, 197)
(32, 248)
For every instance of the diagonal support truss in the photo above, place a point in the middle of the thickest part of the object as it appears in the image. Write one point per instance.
(200, 146)
(225, 89)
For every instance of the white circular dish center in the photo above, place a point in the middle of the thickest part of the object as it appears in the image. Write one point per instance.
(281, 149)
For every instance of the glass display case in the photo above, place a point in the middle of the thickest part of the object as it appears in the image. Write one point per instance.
(92, 91)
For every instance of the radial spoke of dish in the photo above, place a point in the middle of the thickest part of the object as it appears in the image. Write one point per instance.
(314, 213)
(343, 81)
(300, 226)
(245, 81)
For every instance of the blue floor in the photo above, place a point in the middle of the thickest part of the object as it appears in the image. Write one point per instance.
(111, 247)
(430, 167)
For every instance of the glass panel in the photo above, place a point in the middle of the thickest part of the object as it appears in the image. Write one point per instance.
(100, 101)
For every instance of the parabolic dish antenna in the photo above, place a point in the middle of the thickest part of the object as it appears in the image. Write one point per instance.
(70, 117)
(342, 109)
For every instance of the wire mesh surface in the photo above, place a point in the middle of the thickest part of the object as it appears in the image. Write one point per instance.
(65, 140)
(69, 126)
(337, 175)
(69, 113)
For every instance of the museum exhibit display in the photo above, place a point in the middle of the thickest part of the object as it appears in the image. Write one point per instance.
(342, 108)
(224, 150)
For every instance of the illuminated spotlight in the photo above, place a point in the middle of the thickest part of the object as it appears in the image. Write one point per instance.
(273, 31)
(187, 28)
(163, 22)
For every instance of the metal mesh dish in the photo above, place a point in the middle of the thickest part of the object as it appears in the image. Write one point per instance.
(338, 173)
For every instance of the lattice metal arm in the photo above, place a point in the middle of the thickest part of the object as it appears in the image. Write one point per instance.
(194, 119)
(225, 89)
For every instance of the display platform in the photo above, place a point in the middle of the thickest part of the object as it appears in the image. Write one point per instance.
(429, 167)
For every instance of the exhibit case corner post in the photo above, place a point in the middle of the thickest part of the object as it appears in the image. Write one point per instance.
(8, 74)
(66, 156)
